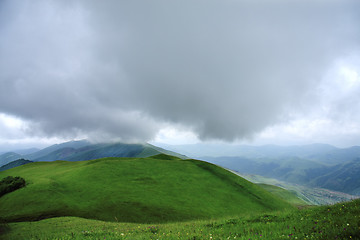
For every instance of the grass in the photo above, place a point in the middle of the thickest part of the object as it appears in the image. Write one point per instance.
(340, 221)
(286, 195)
(143, 190)
(159, 197)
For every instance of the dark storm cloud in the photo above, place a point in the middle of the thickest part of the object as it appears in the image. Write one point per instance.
(225, 69)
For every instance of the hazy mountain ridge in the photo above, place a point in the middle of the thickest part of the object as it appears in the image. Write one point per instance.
(315, 165)
(343, 177)
(84, 150)
(311, 195)
(321, 153)
(8, 157)
(93, 151)
(291, 169)
(13, 164)
(48, 150)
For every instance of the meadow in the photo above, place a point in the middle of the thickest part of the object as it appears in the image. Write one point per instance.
(155, 189)
(340, 221)
(160, 197)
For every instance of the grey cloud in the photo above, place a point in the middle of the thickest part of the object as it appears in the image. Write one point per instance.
(225, 69)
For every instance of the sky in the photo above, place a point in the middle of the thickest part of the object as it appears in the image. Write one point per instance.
(177, 72)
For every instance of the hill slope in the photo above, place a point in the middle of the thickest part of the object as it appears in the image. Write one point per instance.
(286, 195)
(340, 221)
(343, 177)
(133, 190)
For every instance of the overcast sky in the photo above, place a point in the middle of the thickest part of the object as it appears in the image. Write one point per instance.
(254, 72)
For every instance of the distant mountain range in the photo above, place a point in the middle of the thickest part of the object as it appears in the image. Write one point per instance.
(13, 164)
(343, 177)
(315, 165)
(83, 150)
(321, 153)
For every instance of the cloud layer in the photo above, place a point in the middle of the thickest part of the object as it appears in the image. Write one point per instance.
(126, 69)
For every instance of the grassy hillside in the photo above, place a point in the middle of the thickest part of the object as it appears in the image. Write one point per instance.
(286, 195)
(150, 147)
(143, 190)
(340, 221)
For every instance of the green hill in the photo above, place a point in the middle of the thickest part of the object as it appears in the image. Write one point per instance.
(133, 190)
(286, 195)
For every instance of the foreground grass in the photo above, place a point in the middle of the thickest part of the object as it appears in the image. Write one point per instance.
(340, 221)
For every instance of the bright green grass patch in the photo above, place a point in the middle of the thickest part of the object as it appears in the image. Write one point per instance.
(341, 221)
(133, 190)
(289, 196)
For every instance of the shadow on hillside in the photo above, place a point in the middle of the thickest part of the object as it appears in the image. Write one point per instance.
(4, 227)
